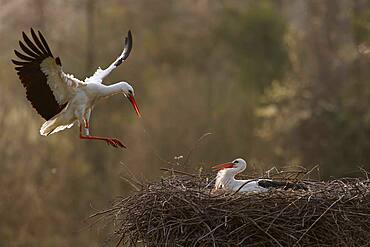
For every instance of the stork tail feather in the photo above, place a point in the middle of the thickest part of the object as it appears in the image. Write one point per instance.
(53, 126)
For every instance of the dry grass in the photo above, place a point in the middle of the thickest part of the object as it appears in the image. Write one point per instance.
(180, 210)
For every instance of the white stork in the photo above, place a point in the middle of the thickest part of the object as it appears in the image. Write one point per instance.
(60, 98)
(226, 179)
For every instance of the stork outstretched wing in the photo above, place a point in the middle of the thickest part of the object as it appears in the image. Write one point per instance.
(48, 88)
(100, 74)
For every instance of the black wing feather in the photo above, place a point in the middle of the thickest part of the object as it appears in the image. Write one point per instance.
(45, 44)
(21, 56)
(37, 41)
(31, 45)
(127, 48)
(19, 63)
(128, 45)
(281, 184)
(33, 79)
(28, 51)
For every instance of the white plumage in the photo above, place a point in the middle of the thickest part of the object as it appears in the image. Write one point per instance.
(63, 85)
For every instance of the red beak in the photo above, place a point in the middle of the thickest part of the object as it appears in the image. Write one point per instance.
(133, 102)
(220, 167)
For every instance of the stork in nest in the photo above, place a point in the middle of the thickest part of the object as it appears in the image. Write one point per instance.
(226, 173)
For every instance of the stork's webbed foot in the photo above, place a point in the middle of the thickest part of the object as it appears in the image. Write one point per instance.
(114, 142)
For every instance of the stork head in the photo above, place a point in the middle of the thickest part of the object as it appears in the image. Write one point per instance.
(128, 92)
(236, 166)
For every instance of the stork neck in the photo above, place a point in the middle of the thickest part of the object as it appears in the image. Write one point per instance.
(225, 178)
(109, 90)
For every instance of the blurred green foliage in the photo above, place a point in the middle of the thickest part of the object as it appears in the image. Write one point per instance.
(361, 27)
(255, 36)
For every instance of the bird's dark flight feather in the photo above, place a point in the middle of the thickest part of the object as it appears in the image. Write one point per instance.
(21, 56)
(33, 79)
(31, 45)
(127, 49)
(38, 43)
(45, 44)
(268, 184)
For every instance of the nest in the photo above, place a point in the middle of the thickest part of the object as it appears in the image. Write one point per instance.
(182, 211)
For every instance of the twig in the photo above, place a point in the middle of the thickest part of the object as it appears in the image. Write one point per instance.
(268, 234)
(317, 220)
(312, 169)
(130, 182)
(134, 178)
(187, 157)
(178, 172)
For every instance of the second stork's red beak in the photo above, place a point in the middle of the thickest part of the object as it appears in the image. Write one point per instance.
(220, 167)
(133, 102)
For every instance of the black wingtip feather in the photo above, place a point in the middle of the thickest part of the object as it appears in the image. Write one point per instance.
(27, 50)
(281, 184)
(129, 39)
(128, 45)
(31, 45)
(45, 43)
(127, 48)
(38, 42)
(21, 56)
(19, 63)
(57, 61)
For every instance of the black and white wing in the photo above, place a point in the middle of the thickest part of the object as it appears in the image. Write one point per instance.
(48, 88)
(99, 75)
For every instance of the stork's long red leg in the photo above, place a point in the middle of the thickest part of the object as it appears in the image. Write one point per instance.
(87, 126)
(86, 122)
(110, 141)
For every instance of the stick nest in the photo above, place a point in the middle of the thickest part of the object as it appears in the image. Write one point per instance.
(181, 210)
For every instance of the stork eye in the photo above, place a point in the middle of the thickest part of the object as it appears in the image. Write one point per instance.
(130, 91)
(236, 162)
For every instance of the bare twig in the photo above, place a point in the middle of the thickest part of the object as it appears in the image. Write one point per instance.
(317, 220)
(187, 157)
(178, 172)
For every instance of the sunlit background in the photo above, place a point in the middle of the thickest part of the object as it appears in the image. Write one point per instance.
(276, 82)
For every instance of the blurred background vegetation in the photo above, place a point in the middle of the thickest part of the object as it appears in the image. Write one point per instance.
(277, 82)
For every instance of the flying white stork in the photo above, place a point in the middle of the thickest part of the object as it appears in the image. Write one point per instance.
(60, 98)
(226, 179)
